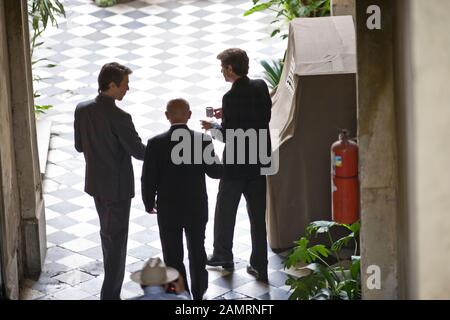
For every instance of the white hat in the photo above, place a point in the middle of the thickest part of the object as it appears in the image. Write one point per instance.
(155, 273)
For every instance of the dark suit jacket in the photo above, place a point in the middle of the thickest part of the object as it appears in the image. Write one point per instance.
(247, 105)
(107, 137)
(180, 188)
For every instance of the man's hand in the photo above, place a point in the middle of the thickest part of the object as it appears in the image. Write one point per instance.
(218, 113)
(152, 211)
(179, 285)
(206, 125)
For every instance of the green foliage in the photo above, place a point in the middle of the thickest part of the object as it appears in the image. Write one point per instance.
(40, 13)
(41, 109)
(287, 10)
(319, 227)
(272, 72)
(325, 282)
(105, 3)
(306, 254)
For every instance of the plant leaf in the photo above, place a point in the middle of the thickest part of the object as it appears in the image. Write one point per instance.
(339, 244)
(355, 268)
(41, 109)
(320, 227)
(355, 227)
(320, 249)
(323, 294)
(274, 32)
(272, 72)
(259, 7)
(38, 60)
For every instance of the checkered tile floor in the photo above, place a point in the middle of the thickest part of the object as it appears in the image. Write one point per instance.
(172, 47)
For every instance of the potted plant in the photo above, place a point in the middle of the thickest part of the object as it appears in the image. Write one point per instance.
(272, 72)
(325, 280)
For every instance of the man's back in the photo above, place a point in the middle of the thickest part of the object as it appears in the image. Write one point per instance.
(247, 106)
(107, 137)
(180, 187)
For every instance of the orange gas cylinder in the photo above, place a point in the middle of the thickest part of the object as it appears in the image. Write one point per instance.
(345, 184)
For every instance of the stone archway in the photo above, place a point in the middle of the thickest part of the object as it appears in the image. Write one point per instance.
(22, 215)
(171, 54)
(22, 219)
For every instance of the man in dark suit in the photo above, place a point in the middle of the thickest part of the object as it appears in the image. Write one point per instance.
(174, 170)
(107, 137)
(246, 108)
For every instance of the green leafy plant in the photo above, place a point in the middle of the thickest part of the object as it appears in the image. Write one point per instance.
(40, 13)
(105, 3)
(272, 72)
(287, 10)
(325, 281)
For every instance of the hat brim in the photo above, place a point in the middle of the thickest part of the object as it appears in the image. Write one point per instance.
(171, 275)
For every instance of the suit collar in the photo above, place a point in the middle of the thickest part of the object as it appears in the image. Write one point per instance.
(105, 99)
(179, 126)
(240, 81)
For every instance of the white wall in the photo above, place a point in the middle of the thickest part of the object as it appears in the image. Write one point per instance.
(430, 39)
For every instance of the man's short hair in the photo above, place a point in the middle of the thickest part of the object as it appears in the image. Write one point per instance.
(237, 59)
(111, 72)
(178, 101)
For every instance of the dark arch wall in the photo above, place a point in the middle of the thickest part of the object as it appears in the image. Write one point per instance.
(22, 220)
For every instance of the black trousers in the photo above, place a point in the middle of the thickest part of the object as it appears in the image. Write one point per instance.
(230, 191)
(173, 253)
(114, 220)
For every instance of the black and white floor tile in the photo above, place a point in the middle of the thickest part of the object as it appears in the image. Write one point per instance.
(171, 46)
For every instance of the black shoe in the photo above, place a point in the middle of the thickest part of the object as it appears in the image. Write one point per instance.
(260, 276)
(198, 296)
(217, 262)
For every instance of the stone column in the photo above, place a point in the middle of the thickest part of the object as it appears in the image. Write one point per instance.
(24, 128)
(378, 152)
(9, 194)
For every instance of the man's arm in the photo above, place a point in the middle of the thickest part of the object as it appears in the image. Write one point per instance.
(215, 169)
(266, 102)
(149, 178)
(129, 138)
(218, 131)
(77, 134)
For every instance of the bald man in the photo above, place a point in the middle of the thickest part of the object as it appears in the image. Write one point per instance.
(174, 170)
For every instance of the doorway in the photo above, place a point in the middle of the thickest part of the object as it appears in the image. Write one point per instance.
(171, 48)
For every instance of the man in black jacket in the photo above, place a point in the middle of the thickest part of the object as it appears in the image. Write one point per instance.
(245, 113)
(174, 171)
(107, 137)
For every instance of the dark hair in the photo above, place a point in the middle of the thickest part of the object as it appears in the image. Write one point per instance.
(111, 72)
(237, 59)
